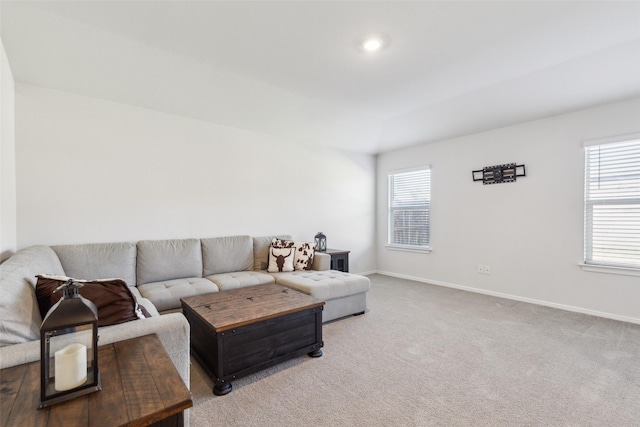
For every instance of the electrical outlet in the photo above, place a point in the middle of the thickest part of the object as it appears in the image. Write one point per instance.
(487, 269)
(480, 268)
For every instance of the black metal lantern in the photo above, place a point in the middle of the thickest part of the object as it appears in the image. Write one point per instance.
(320, 242)
(69, 348)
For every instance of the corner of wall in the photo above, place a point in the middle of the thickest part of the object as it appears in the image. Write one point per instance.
(8, 228)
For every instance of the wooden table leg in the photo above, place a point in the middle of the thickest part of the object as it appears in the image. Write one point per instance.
(222, 389)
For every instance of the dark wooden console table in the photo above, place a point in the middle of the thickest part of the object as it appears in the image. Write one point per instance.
(339, 259)
(140, 387)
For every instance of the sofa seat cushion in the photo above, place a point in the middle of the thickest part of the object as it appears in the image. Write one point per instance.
(324, 285)
(166, 295)
(240, 279)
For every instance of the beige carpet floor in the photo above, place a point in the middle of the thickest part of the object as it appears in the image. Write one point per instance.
(426, 355)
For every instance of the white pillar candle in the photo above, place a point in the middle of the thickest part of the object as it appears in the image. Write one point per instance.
(71, 367)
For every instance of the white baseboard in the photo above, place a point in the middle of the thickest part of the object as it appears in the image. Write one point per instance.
(513, 297)
(366, 273)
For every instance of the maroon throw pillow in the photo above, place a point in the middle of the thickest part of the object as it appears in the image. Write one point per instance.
(113, 298)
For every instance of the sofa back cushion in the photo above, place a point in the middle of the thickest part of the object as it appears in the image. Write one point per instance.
(99, 261)
(19, 314)
(227, 254)
(161, 260)
(261, 250)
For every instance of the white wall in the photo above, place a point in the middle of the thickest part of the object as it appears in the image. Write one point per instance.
(90, 170)
(7, 159)
(530, 231)
(158, 79)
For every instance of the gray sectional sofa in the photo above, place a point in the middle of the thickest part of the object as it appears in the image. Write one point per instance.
(159, 273)
(167, 270)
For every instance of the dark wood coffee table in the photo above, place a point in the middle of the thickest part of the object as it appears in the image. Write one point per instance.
(241, 331)
(140, 387)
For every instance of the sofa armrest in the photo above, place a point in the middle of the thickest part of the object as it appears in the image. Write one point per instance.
(321, 262)
(172, 330)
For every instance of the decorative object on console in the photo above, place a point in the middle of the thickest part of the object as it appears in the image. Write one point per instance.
(320, 242)
(499, 173)
(69, 348)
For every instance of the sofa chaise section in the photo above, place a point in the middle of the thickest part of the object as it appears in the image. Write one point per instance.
(344, 293)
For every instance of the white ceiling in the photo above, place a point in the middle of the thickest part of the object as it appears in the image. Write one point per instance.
(294, 70)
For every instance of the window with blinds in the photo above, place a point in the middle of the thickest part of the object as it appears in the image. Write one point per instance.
(612, 204)
(409, 208)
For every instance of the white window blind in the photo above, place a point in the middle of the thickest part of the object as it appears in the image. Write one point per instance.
(409, 208)
(612, 204)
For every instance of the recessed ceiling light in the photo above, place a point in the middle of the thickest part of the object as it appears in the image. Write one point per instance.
(373, 43)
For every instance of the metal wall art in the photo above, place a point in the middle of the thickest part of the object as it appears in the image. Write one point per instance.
(499, 173)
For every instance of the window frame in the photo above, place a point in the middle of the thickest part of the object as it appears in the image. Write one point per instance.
(588, 263)
(408, 247)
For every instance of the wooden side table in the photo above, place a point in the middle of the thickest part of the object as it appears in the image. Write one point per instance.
(339, 259)
(140, 387)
